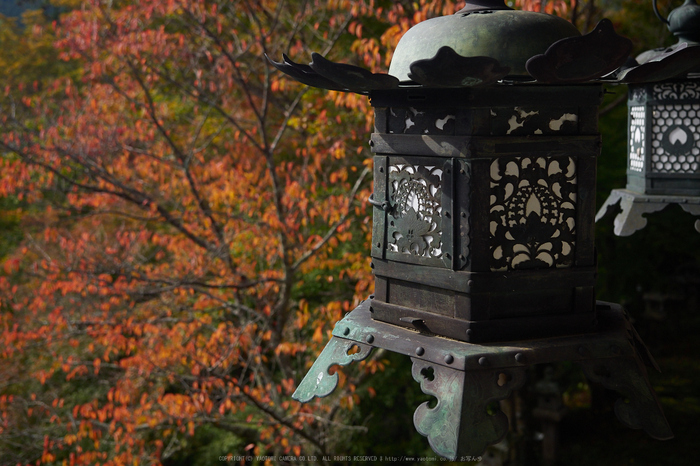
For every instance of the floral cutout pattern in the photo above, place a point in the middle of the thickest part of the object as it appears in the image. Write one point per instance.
(414, 225)
(677, 91)
(413, 121)
(532, 212)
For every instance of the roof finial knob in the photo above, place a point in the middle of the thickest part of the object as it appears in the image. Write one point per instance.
(481, 5)
(684, 21)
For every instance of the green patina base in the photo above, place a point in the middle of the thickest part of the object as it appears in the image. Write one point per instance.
(466, 378)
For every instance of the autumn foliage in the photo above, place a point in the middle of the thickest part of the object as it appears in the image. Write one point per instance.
(193, 224)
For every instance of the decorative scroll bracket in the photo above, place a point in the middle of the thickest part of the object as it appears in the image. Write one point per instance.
(635, 205)
(459, 424)
(627, 376)
(466, 378)
(318, 381)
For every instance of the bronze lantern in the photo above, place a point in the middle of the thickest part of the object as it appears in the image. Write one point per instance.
(485, 150)
(663, 157)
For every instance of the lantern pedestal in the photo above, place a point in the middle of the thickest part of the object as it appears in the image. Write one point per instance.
(466, 377)
(635, 205)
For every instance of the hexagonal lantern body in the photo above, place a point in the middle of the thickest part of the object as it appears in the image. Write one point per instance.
(485, 149)
(664, 138)
(484, 204)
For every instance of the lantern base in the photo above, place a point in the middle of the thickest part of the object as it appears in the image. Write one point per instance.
(482, 331)
(634, 205)
(478, 307)
(466, 378)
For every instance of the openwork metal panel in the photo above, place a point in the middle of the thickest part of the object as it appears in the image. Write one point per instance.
(637, 136)
(520, 121)
(414, 223)
(675, 143)
(471, 191)
(413, 199)
(532, 212)
(414, 121)
(676, 91)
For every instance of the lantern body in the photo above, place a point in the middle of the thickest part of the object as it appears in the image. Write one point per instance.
(484, 197)
(664, 138)
(484, 203)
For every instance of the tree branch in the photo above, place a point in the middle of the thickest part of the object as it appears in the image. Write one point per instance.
(332, 231)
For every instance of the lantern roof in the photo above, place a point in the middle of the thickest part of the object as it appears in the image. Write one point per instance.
(488, 43)
(680, 60)
(490, 29)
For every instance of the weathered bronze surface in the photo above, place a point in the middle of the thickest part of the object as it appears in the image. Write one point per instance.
(449, 69)
(305, 74)
(580, 59)
(662, 64)
(484, 210)
(684, 21)
(508, 36)
(487, 43)
(472, 6)
(465, 377)
(352, 77)
(460, 424)
(318, 381)
(484, 197)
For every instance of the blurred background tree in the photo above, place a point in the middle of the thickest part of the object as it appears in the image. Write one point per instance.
(191, 227)
(182, 226)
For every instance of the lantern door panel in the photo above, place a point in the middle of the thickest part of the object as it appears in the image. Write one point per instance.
(414, 224)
